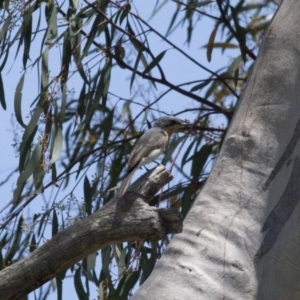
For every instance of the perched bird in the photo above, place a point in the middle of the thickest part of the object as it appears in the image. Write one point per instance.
(149, 146)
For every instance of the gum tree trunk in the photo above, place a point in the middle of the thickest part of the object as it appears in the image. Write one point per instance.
(241, 239)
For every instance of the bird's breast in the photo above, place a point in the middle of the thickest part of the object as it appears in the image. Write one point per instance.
(154, 154)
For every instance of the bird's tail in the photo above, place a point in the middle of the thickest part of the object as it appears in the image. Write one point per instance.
(125, 183)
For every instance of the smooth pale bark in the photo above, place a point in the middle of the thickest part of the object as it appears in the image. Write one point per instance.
(241, 239)
(126, 219)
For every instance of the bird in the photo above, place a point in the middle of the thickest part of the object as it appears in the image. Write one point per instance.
(149, 146)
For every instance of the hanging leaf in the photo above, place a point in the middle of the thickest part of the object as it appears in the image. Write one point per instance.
(174, 17)
(38, 175)
(107, 126)
(125, 10)
(201, 85)
(27, 37)
(121, 262)
(91, 36)
(81, 108)
(172, 146)
(2, 94)
(138, 58)
(52, 23)
(57, 137)
(29, 169)
(127, 283)
(18, 101)
(54, 223)
(32, 245)
(16, 242)
(62, 112)
(210, 44)
(82, 295)
(88, 195)
(155, 62)
(199, 160)
(66, 59)
(184, 159)
(5, 26)
(91, 262)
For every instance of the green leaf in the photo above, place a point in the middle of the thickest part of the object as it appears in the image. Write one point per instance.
(127, 283)
(121, 262)
(105, 79)
(66, 58)
(101, 91)
(45, 75)
(107, 127)
(5, 27)
(199, 160)
(27, 38)
(59, 284)
(200, 85)
(148, 265)
(236, 77)
(81, 108)
(54, 223)
(91, 36)
(2, 94)
(241, 32)
(155, 62)
(189, 29)
(28, 136)
(32, 245)
(184, 159)
(223, 46)
(52, 24)
(140, 47)
(91, 262)
(236, 63)
(210, 43)
(53, 173)
(88, 195)
(186, 201)
(138, 58)
(102, 293)
(25, 152)
(29, 169)
(1, 260)
(16, 242)
(107, 37)
(106, 261)
(82, 295)
(172, 146)
(42, 223)
(63, 105)
(38, 175)
(125, 10)
(18, 36)
(202, 3)
(18, 101)
(174, 17)
(57, 137)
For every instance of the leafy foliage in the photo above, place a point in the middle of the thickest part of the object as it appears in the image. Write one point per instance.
(81, 127)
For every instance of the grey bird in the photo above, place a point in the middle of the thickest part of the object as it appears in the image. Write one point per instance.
(149, 146)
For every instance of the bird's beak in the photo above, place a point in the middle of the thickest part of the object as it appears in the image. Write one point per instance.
(185, 124)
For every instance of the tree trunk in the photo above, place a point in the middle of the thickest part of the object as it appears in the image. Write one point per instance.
(241, 239)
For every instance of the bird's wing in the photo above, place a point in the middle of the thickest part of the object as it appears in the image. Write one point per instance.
(154, 138)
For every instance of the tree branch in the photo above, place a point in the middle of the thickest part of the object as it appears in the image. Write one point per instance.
(127, 218)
